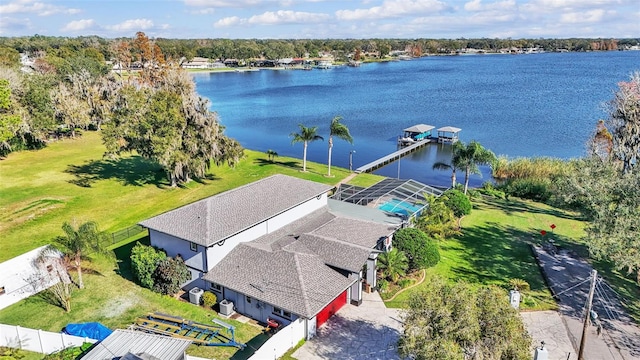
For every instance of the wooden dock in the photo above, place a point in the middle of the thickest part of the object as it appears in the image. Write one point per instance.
(392, 157)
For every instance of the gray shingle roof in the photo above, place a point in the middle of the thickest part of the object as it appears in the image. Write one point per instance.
(289, 267)
(122, 342)
(295, 281)
(358, 232)
(210, 220)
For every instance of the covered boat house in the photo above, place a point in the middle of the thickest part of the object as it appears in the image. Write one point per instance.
(415, 133)
(448, 135)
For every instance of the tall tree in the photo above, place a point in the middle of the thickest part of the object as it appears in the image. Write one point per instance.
(305, 136)
(624, 122)
(469, 157)
(459, 321)
(454, 165)
(339, 130)
(78, 242)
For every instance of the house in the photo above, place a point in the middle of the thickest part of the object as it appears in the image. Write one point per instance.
(276, 249)
(24, 276)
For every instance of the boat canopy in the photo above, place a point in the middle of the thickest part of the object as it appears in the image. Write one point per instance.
(420, 128)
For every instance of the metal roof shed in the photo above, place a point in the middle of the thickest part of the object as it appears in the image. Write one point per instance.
(123, 343)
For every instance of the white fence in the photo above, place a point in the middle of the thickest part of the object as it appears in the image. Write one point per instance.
(280, 342)
(43, 342)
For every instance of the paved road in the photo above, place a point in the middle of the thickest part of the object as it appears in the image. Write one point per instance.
(620, 338)
(369, 331)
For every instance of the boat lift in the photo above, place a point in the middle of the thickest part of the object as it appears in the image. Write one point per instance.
(198, 333)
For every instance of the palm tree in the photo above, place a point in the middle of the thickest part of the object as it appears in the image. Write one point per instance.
(469, 157)
(393, 264)
(272, 155)
(77, 243)
(341, 131)
(306, 135)
(453, 166)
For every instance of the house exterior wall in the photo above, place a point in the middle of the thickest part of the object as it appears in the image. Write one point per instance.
(257, 310)
(356, 291)
(175, 246)
(371, 270)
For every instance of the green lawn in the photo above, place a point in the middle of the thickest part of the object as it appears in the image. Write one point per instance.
(70, 180)
(494, 247)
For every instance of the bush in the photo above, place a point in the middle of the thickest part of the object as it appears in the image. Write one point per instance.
(144, 261)
(458, 202)
(403, 283)
(169, 275)
(209, 299)
(489, 190)
(421, 251)
(383, 285)
(533, 189)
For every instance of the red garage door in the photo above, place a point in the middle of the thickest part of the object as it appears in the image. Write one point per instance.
(331, 309)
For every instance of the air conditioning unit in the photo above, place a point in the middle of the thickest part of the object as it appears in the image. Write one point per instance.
(195, 295)
(226, 307)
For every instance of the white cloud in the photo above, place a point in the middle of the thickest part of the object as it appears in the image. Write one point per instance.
(8, 24)
(477, 5)
(222, 3)
(79, 25)
(591, 16)
(229, 21)
(132, 25)
(287, 17)
(394, 8)
(35, 7)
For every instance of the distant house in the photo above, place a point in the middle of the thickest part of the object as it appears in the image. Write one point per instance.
(275, 248)
(24, 276)
(198, 63)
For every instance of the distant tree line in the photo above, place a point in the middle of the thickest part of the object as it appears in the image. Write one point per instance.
(176, 49)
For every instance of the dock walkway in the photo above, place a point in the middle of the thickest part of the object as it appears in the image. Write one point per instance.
(391, 157)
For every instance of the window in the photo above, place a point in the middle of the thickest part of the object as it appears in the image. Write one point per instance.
(248, 299)
(280, 312)
(216, 287)
(49, 268)
(194, 246)
(2, 291)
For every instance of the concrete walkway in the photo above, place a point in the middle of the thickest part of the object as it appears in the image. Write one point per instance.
(547, 326)
(620, 338)
(368, 331)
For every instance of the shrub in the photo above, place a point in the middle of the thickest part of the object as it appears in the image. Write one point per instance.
(144, 261)
(403, 283)
(489, 190)
(534, 189)
(383, 285)
(421, 251)
(169, 275)
(458, 202)
(209, 299)
(519, 284)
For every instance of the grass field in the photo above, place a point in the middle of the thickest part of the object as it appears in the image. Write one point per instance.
(69, 180)
(494, 247)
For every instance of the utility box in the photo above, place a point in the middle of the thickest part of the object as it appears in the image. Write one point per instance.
(195, 295)
(541, 354)
(226, 307)
(514, 298)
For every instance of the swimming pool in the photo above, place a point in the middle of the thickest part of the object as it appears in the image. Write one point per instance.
(400, 207)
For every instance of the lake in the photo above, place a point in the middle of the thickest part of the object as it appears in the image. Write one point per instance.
(516, 105)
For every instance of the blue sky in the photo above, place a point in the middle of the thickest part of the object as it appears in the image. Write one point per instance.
(289, 19)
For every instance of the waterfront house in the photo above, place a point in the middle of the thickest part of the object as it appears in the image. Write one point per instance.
(276, 249)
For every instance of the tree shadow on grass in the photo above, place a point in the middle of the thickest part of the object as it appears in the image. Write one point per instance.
(290, 164)
(512, 207)
(134, 170)
(123, 257)
(498, 253)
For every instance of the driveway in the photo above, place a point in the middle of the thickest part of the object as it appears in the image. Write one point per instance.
(566, 274)
(368, 331)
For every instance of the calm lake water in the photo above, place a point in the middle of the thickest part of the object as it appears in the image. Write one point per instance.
(522, 105)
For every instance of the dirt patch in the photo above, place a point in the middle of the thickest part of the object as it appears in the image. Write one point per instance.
(118, 306)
